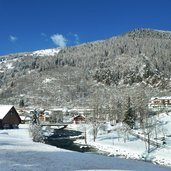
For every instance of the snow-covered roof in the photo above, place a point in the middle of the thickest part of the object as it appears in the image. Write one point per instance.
(79, 115)
(25, 118)
(162, 98)
(4, 109)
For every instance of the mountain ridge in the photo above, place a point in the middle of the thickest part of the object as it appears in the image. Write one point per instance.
(139, 33)
(147, 32)
(131, 63)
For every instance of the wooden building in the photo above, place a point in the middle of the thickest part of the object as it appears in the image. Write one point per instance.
(9, 117)
(79, 119)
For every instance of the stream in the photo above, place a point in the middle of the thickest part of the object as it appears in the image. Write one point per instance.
(64, 138)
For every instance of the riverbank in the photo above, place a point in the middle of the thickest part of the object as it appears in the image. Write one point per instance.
(125, 145)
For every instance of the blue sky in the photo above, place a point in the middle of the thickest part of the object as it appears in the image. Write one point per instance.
(27, 25)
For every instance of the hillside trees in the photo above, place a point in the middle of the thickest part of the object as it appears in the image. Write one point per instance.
(140, 102)
(139, 57)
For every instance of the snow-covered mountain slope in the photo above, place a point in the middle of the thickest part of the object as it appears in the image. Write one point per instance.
(46, 52)
(138, 60)
(163, 31)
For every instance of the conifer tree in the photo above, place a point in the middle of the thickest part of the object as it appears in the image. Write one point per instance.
(130, 117)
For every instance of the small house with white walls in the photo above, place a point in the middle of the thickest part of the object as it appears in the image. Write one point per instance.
(159, 103)
(9, 118)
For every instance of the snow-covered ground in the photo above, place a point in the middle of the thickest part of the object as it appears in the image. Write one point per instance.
(19, 153)
(115, 143)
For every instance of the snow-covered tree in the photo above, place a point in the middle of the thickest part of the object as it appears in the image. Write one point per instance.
(130, 116)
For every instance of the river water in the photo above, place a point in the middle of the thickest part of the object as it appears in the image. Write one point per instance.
(64, 138)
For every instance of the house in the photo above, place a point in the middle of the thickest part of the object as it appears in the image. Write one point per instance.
(44, 116)
(159, 103)
(79, 119)
(25, 119)
(9, 117)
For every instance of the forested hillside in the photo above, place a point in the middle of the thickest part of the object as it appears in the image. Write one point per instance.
(99, 75)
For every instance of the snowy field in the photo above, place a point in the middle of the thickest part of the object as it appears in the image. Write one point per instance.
(132, 147)
(19, 153)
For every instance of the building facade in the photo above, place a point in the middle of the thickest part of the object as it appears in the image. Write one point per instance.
(159, 103)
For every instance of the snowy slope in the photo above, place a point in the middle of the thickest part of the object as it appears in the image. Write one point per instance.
(163, 31)
(19, 153)
(46, 52)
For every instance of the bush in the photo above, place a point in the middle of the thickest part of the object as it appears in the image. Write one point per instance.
(36, 133)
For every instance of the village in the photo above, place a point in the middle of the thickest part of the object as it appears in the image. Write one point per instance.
(64, 119)
(68, 128)
(49, 120)
(11, 117)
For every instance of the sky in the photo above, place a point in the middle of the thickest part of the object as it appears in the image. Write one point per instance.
(28, 25)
